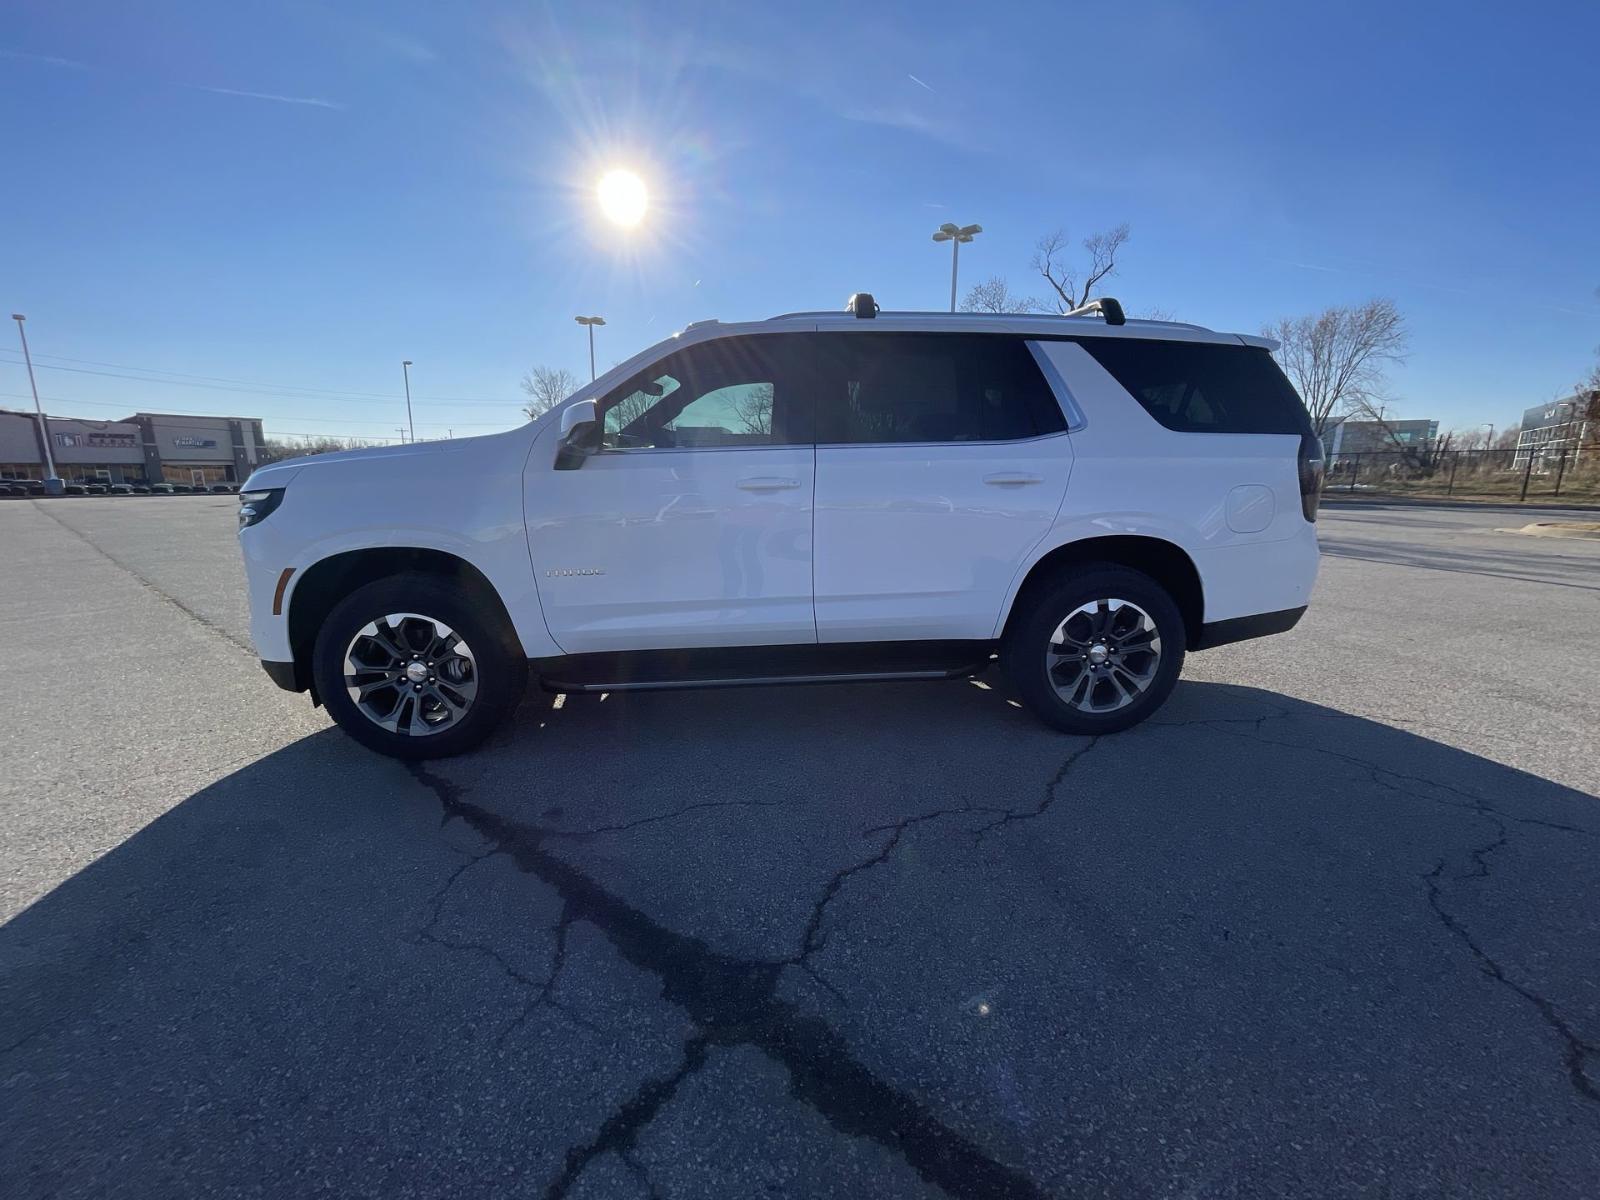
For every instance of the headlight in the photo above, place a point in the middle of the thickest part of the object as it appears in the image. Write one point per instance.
(256, 507)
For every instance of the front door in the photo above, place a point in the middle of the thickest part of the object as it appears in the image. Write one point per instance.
(691, 525)
(942, 460)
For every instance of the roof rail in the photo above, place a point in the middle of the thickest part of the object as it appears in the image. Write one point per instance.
(1106, 307)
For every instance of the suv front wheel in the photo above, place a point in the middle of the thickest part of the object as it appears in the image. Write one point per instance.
(1097, 650)
(415, 668)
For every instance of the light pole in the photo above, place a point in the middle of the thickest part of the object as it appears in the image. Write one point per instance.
(955, 235)
(591, 322)
(52, 482)
(405, 369)
(1488, 441)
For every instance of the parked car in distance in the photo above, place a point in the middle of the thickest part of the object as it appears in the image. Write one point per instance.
(225, 488)
(140, 489)
(119, 489)
(74, 489)
(182, 489)
(35, 486)
(162, 489)
(819, 497)
(7, 488)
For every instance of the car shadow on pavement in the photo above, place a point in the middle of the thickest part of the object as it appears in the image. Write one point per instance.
(872, 940)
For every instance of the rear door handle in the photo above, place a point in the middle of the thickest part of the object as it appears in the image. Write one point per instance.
(1011, 479)
(767, 483)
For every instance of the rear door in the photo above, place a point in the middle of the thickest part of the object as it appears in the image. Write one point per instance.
(942, 460)
(691, 526)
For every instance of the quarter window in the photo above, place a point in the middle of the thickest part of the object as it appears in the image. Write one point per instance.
(931, 387)
(726, 393)
(1202, 387)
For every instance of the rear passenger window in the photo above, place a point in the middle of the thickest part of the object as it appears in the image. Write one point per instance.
(1196, 387)
(917, 387)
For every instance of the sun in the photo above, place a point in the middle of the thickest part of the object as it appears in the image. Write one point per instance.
(623, 197)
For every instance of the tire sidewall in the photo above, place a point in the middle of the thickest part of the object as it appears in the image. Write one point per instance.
(501, 670)
(1025, 651)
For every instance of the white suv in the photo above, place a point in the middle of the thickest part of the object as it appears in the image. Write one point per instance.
(817, 497)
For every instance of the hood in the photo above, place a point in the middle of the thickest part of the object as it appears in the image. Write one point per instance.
(409, 450)
(279, 473)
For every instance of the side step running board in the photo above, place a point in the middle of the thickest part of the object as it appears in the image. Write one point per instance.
(663, 685)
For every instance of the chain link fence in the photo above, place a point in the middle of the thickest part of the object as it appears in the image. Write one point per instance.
(1519, 475)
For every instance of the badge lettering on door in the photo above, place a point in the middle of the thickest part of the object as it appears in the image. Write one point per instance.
(557, 572)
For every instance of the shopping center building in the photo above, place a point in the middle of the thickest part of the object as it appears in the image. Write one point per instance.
(142, 448)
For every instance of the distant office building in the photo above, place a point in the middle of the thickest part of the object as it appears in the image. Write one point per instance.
(1370, 437)
(1548, 429)
(143, 448)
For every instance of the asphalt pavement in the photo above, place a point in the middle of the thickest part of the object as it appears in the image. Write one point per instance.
(1329, 925)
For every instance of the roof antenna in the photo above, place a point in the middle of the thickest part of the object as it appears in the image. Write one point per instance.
(862, 305)
(1106, 307)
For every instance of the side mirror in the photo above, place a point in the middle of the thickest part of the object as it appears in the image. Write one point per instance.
(574, 415)
(580, 435)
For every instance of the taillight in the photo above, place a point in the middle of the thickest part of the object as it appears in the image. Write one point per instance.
(1311, 469)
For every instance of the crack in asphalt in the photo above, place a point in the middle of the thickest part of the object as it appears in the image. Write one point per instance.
(1050, 791)
(1475, 803)
(812, 938)
(656, 818)
(731, 1001)
(541, 992)
(622, 1128)
(642, 1174)
(1577, 1050)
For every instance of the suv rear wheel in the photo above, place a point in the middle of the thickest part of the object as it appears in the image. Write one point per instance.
(1097, 650)
(415, 668)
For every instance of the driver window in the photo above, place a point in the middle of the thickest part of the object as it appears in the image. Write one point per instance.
(625, 411)
(723, 394)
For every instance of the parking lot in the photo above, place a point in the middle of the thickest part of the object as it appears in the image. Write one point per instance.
(1328, 925)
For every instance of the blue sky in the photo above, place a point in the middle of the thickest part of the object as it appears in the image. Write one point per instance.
(295, 197)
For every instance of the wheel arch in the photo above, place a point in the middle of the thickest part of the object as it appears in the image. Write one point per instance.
(328, 580)
(1164, 561)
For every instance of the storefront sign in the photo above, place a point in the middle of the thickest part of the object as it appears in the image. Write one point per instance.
(197, 443)
(101, 441)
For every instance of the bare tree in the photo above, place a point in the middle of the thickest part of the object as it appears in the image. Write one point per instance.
(546, 388)
(277, 449)
(1337, 358)
(1587, 400)
(753, 406)
(1051, 260)
(994, 295)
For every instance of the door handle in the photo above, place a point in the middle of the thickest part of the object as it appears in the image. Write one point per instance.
(766, 483)
(1011, 479)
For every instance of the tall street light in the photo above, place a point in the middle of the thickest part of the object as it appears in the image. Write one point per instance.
(955, 235)
(591, 322)
(1488, 441)
(52, 482)
(405, 369)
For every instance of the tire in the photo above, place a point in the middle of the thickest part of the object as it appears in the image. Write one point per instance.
(1143, 638)
(472, 670)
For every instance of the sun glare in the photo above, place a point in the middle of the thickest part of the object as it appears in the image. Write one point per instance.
(623, 197)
